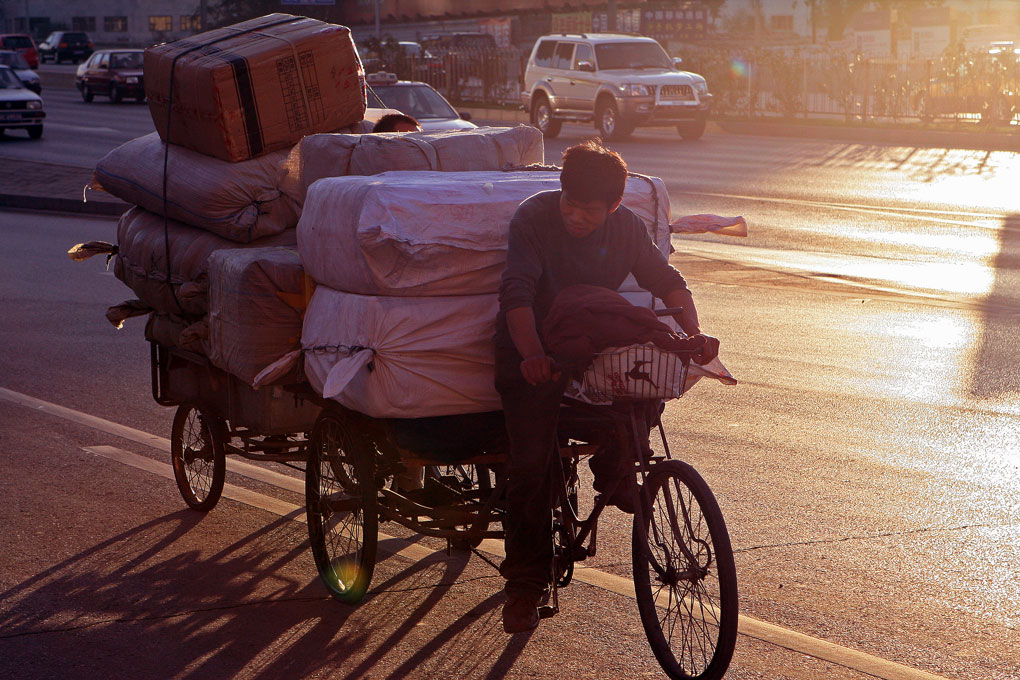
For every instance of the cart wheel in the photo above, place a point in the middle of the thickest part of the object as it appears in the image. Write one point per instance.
(196, 452)
(340, 499)
(684, 576)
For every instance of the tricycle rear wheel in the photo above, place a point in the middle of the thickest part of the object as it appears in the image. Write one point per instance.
(340, 500)
(197, 456)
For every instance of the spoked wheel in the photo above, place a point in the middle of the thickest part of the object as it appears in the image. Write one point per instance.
(196, 453)
(340, 500)
(684, 575)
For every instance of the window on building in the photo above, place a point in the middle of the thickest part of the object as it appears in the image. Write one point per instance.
(161, 23)
(781, 22)
(192, 22)
(87, 24)
(115, 24)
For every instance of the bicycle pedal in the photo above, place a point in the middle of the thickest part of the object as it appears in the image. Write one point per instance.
(547, 611)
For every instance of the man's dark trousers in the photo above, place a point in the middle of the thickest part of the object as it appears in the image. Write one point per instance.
(531, 413)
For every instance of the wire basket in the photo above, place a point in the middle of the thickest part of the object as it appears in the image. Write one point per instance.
(634, 372)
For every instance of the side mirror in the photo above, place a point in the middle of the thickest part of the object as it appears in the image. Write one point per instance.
(677, 63)
(464, 115)
(586, 66)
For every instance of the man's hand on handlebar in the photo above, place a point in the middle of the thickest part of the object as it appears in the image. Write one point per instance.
(539, 369)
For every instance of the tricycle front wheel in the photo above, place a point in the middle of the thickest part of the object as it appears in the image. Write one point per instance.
(340, 500)
(196, 453)
(684, 575)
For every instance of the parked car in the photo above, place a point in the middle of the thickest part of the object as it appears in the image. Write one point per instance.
(419, 100)
(62, 46)
(112, 73)
(21, 69)
(20, 108)
(618, 81)
(23, 45)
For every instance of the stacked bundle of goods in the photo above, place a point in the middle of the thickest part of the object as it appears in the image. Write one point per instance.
(408, 266)
(209, 247)
(228, 106)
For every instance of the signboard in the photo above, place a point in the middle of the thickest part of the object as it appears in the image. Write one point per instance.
(627, 21)
(571, 22)
(668, 21)
(498, 28)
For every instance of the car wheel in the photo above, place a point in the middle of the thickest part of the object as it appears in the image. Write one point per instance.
(140, 98)
(35, 132)
(115, 95)
(542, 118)
(86, 93)
(692, 130)
(608, 121)
(2, 131)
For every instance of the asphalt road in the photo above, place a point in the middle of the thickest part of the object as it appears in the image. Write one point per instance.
(867, 463)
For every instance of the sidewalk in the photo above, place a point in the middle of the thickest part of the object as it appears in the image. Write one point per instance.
(28, 185)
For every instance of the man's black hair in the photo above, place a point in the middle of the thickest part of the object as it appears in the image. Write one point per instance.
(591, 172)
(389, 122)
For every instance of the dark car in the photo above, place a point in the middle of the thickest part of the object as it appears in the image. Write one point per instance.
(22, 44)
(62, 46)
(20, 108)
(112, 73)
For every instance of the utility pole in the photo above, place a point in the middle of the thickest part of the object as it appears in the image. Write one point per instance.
(378, 34)
(202, 26)
(611, 16)
(28, 19)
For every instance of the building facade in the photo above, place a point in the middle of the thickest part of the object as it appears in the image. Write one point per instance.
(135, 23)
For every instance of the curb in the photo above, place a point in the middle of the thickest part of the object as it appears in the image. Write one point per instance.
(62, 205)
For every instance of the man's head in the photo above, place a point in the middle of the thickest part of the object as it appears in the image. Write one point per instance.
(397, 122)
(593, 179)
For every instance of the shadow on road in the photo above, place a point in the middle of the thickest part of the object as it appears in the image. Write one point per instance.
(995, 373)
(143, 604)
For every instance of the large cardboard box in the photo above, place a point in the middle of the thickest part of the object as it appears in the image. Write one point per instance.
(254, 87)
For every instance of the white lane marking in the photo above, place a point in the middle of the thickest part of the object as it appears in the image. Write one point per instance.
(80, 128)
(871, 209)
(751, 627)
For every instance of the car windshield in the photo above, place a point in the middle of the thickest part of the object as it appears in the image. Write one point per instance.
(628, 55)
(14, 60)
(125, 60)
(19, 41)
(9, 81)
(420, 101)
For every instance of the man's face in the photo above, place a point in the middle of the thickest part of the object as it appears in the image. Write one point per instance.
(581, 218)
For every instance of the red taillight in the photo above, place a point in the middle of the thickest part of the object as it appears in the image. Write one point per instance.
(90, 44)
(63, 44)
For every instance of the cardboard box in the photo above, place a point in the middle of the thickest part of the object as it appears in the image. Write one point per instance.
(254, 87)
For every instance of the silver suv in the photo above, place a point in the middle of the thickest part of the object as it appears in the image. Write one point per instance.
(617, 81)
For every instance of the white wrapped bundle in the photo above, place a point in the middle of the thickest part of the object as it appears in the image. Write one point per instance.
(142, 256)
(334, 155)
(238, 201)
(430, 356)
(419, 234)
(255, 305)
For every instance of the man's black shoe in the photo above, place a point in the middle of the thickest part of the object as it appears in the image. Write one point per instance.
(520, 614)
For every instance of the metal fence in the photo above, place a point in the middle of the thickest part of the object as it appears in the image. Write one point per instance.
(763, 83)
(958, 86)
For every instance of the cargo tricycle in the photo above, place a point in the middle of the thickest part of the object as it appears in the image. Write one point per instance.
(683, 567)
